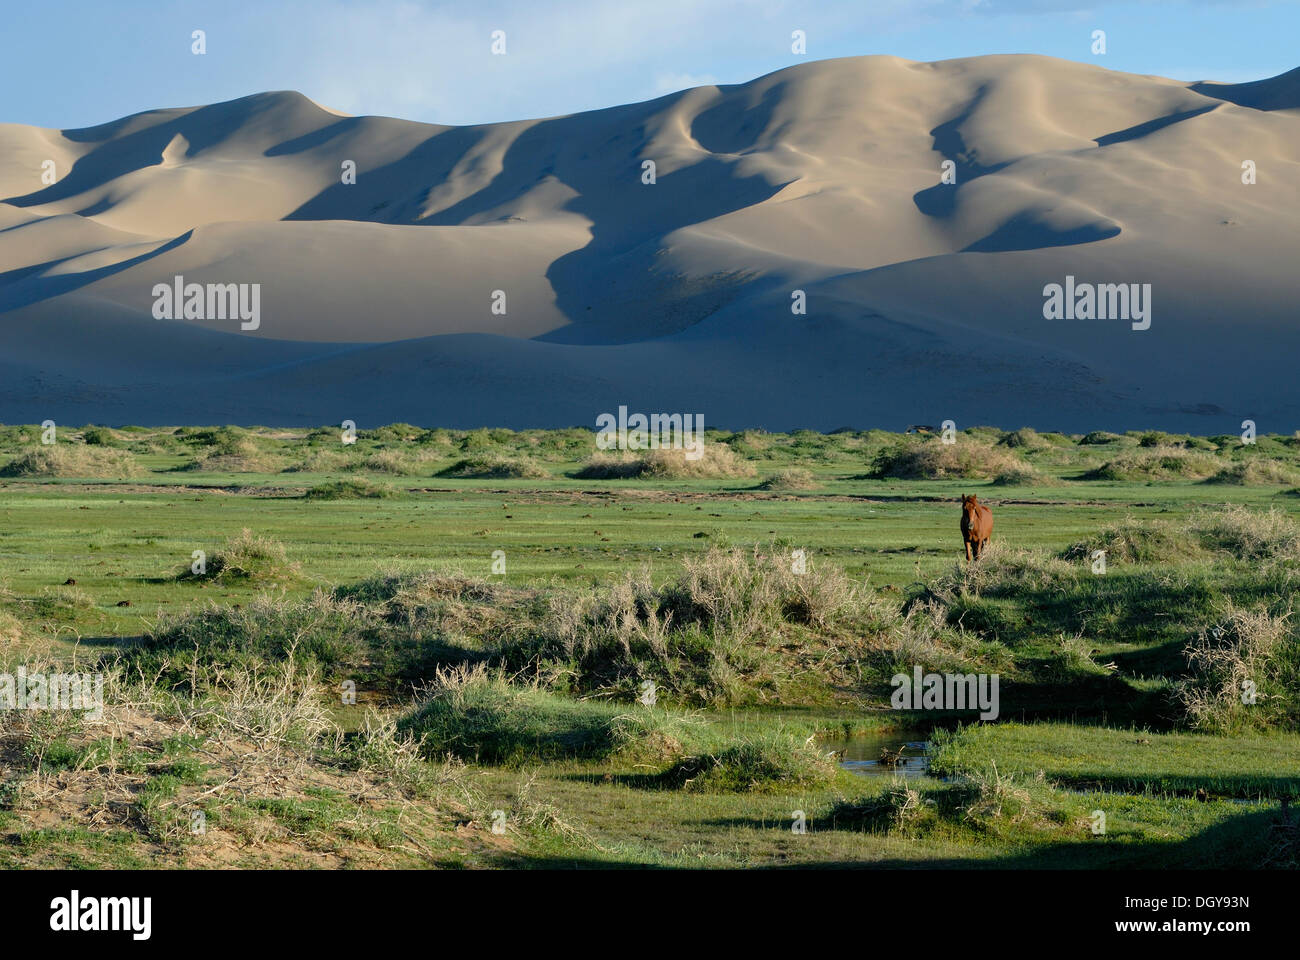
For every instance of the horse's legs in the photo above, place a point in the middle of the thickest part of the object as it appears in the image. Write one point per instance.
(968, 551)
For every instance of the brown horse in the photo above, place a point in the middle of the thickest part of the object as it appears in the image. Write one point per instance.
(976, 526)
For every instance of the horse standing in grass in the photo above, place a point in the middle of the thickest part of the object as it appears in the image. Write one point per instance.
(976, 526)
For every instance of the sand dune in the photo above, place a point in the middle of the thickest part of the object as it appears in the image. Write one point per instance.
(925, 299)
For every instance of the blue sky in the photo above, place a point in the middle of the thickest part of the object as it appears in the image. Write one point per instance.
(69, 63)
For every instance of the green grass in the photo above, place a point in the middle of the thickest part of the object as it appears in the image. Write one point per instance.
(1138, 761)
(416, 551)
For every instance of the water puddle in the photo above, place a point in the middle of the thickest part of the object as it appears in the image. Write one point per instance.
(897, 753)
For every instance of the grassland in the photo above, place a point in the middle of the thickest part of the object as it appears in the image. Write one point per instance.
(501, 601)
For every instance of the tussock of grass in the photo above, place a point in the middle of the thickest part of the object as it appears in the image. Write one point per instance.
(608, 466)
(400, 759)
(1248, 654)
(1248, 534)
(1233, 529)
(896, 808)
(232, 450)
(72, 460)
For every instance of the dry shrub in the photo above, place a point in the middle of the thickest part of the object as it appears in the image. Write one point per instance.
(276, 708)
(11, 629)
(1247, 650)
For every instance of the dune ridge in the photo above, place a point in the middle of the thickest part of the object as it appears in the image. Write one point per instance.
(924, 299)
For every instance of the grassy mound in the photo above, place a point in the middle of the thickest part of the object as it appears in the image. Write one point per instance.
(399, 463)
(774, 762)
(1256, 473)
(709, 636)
(793, 478)
(101, 437)
(985, 803)
(714, 460)
(234, 463)
(476, 714)
(1248, 534)
(966, 459)
(250, 559)
(1137, 541)
(205, 643)
(322, 461)
(232, 450)
(494, 468)
(1026, 438)
(72, 460)
(1156, 463)
(349, 490)
(1024, 476)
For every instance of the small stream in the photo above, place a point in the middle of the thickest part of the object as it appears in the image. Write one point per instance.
(862, 754)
